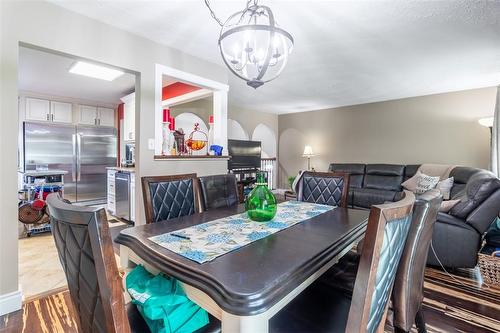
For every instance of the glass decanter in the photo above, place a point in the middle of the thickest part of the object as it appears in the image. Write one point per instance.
(261, 203)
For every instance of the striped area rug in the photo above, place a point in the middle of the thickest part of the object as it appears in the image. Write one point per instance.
(451, 304)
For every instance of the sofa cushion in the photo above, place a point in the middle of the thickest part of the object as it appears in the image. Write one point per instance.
(356, 172)
(447, 205)
(478, 189)
(366, 197)
(436, 170)
(384, 177)
(385, 169)
(461, 176)
(410, 170)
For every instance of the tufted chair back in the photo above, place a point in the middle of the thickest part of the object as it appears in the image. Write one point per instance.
(329, 188)
(86, 253)
(219, 191)
(168, 197)
(386, 234)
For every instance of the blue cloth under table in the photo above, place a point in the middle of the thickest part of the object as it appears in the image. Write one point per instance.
(207, 241)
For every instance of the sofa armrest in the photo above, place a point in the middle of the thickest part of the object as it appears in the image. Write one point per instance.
(482, 217)
(455, 242)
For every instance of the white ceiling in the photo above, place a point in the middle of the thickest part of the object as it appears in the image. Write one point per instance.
(346, 52)
(47, 73)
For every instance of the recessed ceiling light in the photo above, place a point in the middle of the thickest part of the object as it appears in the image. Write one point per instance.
(95, 71)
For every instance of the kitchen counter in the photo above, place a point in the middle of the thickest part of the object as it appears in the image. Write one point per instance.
(43, 173)
(122, 169)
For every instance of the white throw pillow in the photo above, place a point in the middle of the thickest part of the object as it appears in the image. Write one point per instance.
(425, 183)
(447, 205)
(445, 186)
(411, 183)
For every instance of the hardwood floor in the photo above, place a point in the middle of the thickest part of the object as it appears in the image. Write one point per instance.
(50, 314)
(459, 303)
(451, 304)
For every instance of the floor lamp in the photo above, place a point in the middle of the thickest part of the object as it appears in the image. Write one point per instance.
(488, 122)
(308, 153)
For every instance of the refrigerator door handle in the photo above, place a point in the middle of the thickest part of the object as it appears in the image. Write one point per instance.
(75, 164)
(79, 156)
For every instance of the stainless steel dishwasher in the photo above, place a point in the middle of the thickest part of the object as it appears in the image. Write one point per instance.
(122, 195)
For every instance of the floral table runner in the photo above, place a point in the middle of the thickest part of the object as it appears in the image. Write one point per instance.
(205, 242)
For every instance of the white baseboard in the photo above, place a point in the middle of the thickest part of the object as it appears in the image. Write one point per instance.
(11, 302)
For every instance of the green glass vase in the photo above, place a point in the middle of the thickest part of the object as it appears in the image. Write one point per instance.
(261, 203)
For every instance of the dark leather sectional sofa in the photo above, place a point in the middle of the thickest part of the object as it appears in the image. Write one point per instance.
(458, 234)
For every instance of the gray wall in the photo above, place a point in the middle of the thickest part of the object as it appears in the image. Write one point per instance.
(203, 108)
(249, 120)
(48, 26)
(440, 128)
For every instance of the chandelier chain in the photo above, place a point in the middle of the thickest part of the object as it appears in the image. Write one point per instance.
(219, 21)
(212, 13)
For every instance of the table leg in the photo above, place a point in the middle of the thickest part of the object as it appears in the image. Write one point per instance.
(124, 258)
(244, 324)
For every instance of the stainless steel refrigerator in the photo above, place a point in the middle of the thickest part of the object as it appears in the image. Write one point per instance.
(83, 151)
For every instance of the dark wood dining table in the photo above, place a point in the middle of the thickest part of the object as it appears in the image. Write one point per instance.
(246, 287)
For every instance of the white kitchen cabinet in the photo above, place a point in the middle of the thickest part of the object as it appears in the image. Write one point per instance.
(132, 197)
(91, 115)
(105, 117)
(129, 117)
(37, 109)
(87, 115)
(61, 112)
(111, 202)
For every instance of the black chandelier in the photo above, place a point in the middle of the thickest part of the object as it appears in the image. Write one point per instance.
(252, 45)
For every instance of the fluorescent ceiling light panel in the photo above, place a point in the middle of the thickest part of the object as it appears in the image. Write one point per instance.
(95, 71)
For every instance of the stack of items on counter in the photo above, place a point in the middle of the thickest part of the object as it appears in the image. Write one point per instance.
(174, 142)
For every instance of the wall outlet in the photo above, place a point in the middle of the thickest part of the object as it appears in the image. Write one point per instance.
(151, 144)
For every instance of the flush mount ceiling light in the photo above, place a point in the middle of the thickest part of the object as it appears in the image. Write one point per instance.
(252, 45)
(95, 71)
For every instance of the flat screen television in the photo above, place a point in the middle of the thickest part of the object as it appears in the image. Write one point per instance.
(244, 154)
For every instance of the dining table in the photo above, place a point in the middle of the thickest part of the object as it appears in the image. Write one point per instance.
(246, 287)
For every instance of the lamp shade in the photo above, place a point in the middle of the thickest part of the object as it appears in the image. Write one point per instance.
(308, 151)
(486, 122)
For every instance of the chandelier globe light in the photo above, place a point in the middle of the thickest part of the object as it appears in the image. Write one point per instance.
(252, 45)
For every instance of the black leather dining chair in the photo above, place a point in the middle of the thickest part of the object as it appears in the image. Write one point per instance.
(168, 197)
(320, 309)
(85, 249)
(329, 188)
(407, 294)
(218, 191)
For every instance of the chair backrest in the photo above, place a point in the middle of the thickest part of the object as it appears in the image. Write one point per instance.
(407, 294)
(386, 234)
(168, 197)
(329, 188)
(219, 191)
(86, 252)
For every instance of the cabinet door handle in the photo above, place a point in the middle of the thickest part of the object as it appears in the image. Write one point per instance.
(52, 117)
(48, 117)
